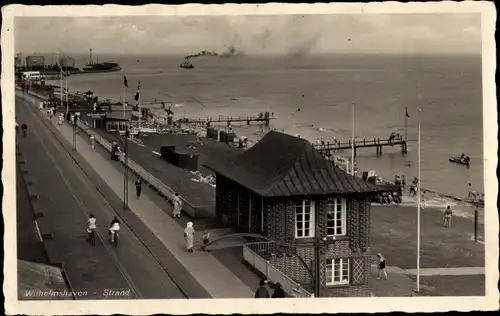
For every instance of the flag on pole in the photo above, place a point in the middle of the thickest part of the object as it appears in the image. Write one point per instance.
(125, 82)
(407, 115)
(138, 91)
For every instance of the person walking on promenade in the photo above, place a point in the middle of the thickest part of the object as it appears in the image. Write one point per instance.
(278, 291)
(138, 187)
(189, 236)
(381, 266)
(403, 183)
(422, 196)
(447, 217)
(176, 200)
(262, 291)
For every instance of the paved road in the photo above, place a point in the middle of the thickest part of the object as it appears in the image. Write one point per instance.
(67, 196)
(29, 245)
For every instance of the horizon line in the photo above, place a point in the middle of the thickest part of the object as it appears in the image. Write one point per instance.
(266, 54)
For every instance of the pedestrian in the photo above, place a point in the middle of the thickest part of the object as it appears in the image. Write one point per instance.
(278, 291)
(381, 266)
(189, 236)
(422, 196)
(262, 291)
(403, 183)
(138, 187)
(177, 201)
(447, 217)
(92, 141)
(206, 238)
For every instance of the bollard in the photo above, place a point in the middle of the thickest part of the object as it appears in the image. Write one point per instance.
(475, 225)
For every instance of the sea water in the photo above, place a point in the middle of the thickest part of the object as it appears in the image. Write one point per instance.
(447, 88)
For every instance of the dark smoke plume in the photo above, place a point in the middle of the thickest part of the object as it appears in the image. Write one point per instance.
(201, 54)
(230, 52)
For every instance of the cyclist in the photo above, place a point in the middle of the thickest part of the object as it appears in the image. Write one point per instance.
(91, 225)
(114, 227)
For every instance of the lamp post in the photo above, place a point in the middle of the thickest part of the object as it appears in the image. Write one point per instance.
(419, 187)
(353, 147)
(125, 158)
(125, 166)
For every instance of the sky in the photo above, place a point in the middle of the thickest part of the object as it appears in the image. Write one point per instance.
(439, 33)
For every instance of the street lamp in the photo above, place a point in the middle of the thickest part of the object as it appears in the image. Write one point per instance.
(125, 165)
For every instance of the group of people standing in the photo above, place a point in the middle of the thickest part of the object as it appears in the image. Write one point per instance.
(394, 137)
(265, 288)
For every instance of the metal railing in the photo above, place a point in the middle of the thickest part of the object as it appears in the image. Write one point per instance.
(158, 185)
(251, 254)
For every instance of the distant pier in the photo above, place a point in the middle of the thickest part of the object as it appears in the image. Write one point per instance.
(232, 119)
(329, 148)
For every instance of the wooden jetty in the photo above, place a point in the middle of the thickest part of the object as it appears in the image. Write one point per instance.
(231, 119)
(329, 148)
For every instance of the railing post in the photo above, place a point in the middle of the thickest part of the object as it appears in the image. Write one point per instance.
(475, 225)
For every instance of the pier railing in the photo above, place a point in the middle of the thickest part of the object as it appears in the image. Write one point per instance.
(360, 143)
(229, 119)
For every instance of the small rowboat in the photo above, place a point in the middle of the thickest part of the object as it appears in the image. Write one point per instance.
(460, 161)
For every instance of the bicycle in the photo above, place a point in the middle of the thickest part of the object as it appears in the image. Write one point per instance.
(92, 237)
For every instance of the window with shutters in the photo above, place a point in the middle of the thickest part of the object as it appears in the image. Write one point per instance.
(336, 220)
(337, 271)
(304, 219)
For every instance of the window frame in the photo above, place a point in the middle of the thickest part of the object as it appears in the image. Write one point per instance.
(312, 219)
(343, 215)
(342, 262)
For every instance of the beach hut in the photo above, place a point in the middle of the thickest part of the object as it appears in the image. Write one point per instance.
(284, 189)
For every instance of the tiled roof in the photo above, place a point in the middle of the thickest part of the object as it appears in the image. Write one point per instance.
(284, 165)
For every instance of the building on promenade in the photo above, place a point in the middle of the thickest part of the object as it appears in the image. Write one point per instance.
(284, 189)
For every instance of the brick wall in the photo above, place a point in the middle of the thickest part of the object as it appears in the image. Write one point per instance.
(281, 226)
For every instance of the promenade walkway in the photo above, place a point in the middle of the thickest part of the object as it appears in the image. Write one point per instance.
(218, 280)
(67, 197)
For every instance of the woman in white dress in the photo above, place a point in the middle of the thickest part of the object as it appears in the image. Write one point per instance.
(189, 236)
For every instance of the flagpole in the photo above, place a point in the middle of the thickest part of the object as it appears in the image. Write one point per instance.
(352, 141)
(66, 89)
(419, 186)
(139, 107)
(124, 94)
(406, 122)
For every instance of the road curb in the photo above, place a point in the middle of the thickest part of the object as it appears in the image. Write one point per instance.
(43, 226)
